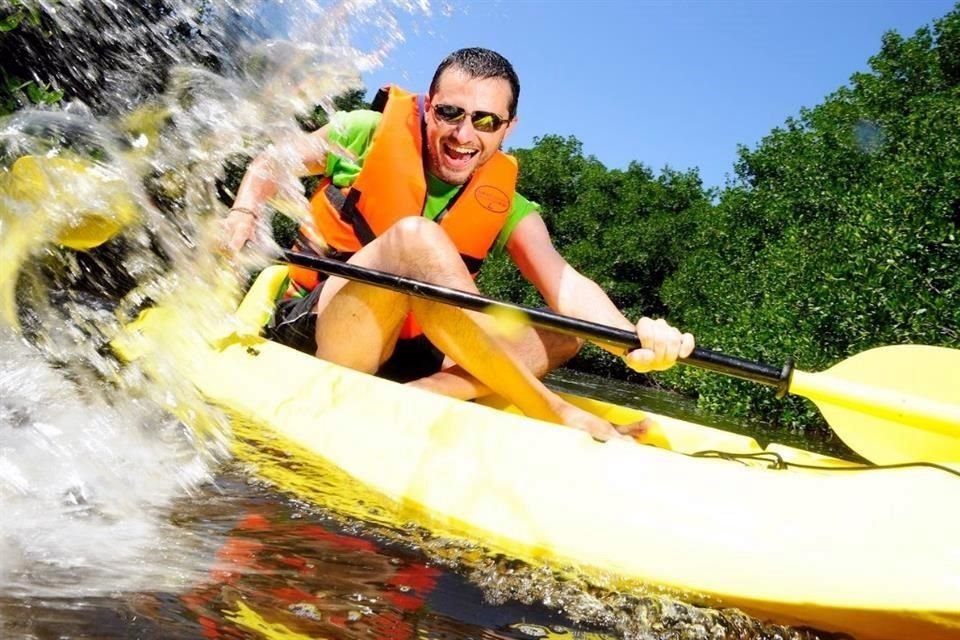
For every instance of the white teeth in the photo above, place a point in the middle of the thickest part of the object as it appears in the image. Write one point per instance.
(462, 149)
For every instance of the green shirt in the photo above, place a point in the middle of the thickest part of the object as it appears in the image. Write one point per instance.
(353, 132)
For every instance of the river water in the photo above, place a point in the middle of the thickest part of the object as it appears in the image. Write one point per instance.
(115, 520)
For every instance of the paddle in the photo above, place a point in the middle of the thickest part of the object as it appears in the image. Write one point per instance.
(73, 201)
(890, 404)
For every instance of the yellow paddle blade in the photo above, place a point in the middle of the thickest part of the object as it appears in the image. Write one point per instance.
(68, 200)
(892, 404)
(83, 203)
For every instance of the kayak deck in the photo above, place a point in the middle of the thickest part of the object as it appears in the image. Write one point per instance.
(869, 553)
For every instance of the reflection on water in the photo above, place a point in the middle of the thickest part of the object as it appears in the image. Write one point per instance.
(284, 570)
(378, 563)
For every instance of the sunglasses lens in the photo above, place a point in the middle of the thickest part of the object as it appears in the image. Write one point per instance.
(485, 122)
(482, 121)
(448, 112)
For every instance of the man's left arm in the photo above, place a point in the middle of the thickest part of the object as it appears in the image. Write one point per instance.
(570, 293)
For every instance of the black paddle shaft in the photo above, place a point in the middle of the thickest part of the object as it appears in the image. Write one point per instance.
(702, 358)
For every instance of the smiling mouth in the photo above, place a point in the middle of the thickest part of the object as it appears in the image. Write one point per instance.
(459, 154)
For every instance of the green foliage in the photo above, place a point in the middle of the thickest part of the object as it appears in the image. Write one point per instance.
(15, 92)
(626, 229)
(107, 59)
(840, 232)
(349, 100)
(17, 13)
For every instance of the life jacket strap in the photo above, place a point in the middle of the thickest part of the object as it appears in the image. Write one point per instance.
(349, 213)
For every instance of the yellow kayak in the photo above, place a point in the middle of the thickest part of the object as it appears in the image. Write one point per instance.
(874, 553)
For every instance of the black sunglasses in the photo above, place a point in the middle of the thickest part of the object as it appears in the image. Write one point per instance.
(483, 121)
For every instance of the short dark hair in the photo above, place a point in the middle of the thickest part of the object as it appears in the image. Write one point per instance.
(481, 63)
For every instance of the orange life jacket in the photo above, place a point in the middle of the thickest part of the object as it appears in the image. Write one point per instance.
(392, 185)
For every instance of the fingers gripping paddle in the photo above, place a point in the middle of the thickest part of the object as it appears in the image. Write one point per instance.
(890, 404)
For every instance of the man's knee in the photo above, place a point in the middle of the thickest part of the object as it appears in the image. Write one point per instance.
(561, 349)
(421, 248)
(416, 232)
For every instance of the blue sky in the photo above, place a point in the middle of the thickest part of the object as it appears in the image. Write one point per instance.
(663, 83)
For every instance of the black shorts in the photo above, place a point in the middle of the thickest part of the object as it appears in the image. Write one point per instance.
(294, 324)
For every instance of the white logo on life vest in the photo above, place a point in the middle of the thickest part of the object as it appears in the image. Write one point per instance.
(492, 199)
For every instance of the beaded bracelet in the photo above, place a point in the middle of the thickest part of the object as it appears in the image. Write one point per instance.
(249, 212)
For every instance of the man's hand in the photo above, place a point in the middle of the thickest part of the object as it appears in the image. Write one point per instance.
(238, 228)
(661, 346)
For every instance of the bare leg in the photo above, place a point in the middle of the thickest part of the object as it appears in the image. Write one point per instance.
(358, 324)
(539, 350)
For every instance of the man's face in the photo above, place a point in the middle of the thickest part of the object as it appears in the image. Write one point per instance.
(456, 149)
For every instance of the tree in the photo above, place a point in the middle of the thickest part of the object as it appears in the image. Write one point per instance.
(840, 232)
(108, 58)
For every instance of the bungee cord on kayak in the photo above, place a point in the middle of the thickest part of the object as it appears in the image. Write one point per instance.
(776, 461)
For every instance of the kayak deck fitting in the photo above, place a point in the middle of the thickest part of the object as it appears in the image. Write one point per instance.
(872, 553)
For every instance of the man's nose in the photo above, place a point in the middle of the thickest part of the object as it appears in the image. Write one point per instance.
(464, 131)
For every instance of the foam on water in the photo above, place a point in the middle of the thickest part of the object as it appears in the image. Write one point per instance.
(83, 485)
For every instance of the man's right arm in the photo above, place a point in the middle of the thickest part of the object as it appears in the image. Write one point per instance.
(302, 156)
(571, 293)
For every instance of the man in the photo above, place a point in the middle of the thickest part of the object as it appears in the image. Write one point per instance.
(425, 192)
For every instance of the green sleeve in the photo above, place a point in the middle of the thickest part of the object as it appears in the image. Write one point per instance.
(521, 209)
(352, 131)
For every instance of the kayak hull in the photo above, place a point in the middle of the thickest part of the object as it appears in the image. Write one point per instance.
(874, 554)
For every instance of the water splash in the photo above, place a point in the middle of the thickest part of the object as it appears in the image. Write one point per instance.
(110, 203)
(82, 484)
